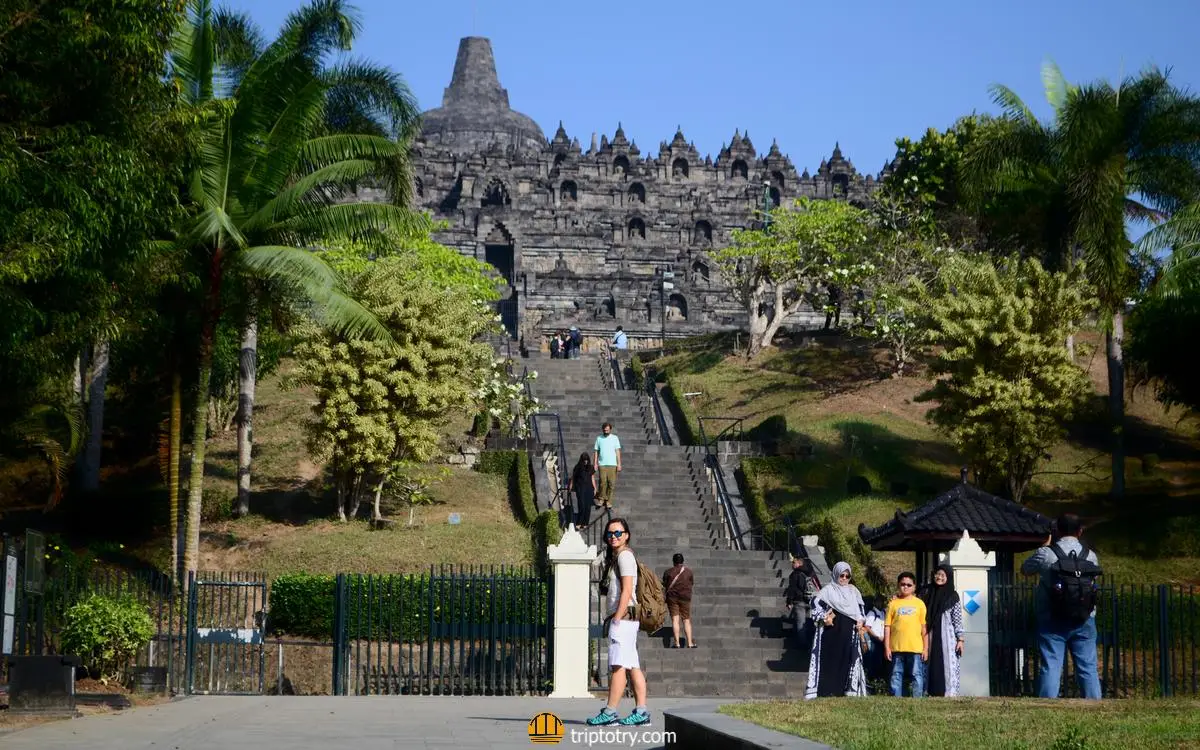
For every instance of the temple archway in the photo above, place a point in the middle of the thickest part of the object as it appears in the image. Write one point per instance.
(620, 166)
(677, 308)
(702, 233)
(496, 194)
(637, 229)
(679, 167)
(568, 192)
(637, 193)
(740, 170)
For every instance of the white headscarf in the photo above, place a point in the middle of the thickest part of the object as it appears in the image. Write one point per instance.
(843, 597)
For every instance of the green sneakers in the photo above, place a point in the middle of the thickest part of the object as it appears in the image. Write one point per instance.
(636, 718)
(606, 718)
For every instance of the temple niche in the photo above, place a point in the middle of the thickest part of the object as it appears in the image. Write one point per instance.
(587, 236)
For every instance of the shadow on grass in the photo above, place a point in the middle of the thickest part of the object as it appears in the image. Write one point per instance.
(870, 456)
(1092, 431)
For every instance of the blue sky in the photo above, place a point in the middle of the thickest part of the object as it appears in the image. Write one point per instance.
(806, 73)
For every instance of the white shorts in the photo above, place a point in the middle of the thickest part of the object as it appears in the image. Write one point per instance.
(622, 644)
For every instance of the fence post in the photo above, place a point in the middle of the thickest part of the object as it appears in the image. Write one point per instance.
(339, 632)
(571, 559)
(971, 568)
(1164, 641)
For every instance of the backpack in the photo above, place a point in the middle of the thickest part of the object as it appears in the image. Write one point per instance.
(577, 338)
(651, 610)
(1073, 589)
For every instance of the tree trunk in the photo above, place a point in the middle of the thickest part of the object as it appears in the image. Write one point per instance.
(375, 514)
(1071, 347)
(247, 375)
(174, 449)
(355, 498)
(781, 314)
(208, 329)
(97, 382)
(1115, 340)
(341, 500)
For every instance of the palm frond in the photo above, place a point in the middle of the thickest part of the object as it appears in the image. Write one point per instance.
(373, 93)
(285, 202)
(1055, 84)
(1011, 104)
(239, 42)
(192, 57)
(311, 275)
(280, 151)
(353, 220)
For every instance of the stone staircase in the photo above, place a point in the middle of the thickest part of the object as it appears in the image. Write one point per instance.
(663, 492)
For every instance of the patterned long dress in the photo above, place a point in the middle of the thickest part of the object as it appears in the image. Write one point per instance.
(943, 667)
(835, 667)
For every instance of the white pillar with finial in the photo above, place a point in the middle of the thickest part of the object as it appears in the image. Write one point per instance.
(971, 569)
(572, 559)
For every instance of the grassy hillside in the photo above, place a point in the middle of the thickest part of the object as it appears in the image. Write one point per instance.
(837, 396)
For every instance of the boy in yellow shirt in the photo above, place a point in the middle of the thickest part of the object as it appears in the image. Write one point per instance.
(905, 637)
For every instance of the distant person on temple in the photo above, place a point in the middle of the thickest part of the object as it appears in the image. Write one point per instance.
(583, 484)
(576, 341)
(619, 339)
(677, 588)
(802, 587)
(835, 667)
(555, 347)
(945, 622)
(1065, 601)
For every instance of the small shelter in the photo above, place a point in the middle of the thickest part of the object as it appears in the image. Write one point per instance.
(997, 524)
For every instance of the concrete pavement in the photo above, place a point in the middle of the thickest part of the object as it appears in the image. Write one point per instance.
(325, 723)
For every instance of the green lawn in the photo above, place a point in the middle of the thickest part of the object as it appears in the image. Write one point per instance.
(982, 723)
(837, 397)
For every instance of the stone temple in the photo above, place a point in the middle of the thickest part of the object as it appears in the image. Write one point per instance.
(603, 237)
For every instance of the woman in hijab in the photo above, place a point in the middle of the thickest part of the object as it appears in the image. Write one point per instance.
(945, 623)
(835, 667)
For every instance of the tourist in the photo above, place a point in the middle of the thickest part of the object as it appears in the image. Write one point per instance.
(619, 339)
(1065, 601)
(576, 341)
(607, 457)
(945, 625)
(905, 637)
(802, 587)
(555, 347)
(583, 484)
(677, 588)
(873, 635)
(619, 583)
(835, 667)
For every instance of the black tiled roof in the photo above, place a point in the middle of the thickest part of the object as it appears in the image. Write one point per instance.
(962, 507)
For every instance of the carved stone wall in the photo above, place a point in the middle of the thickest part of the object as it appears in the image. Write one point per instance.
(584, 237)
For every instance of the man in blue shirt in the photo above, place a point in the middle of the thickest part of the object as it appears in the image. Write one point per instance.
(607, 458)
(620, 340)
(1056, 633)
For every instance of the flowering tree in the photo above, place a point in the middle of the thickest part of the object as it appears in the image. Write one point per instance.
(805, 252)
(504, 395)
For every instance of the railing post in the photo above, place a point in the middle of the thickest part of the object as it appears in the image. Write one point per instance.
(1164, 641)
(571, 559)
(971, 568)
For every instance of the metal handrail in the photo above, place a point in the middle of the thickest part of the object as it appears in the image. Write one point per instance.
(724, 501)
(561, 448)
(735, 424)
(660, 419)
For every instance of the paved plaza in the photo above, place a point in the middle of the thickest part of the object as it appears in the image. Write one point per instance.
(324, 723)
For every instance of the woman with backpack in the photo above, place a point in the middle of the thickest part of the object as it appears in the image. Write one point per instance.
(944, 620)
(583, 484)
(619, 583)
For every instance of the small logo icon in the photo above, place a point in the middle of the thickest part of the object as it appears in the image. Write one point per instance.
(971, 605)
(546, 729)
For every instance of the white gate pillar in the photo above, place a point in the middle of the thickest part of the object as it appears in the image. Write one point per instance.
(971, 568)
(572, 560)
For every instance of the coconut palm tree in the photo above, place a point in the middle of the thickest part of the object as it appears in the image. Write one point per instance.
(1111, 153)
(269, 175)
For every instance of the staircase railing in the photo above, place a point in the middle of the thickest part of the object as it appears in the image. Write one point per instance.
(660, 418)
(733, 428)
(766, 536)
(725, 501)
(610, 369)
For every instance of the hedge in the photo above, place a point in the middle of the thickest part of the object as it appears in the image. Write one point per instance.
(515, 466)
(382, 607)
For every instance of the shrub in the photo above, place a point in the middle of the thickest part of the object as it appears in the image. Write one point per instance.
(215, 506)
(1150, 462)
(105, 633)
(405, 607)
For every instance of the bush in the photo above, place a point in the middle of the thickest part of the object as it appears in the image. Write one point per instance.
(1150, 462)
(105, 633)
(773, 428)
(404, 608)
(215, 506)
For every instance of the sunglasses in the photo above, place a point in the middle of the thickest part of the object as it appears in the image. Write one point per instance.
(614, 534)
(843, 575)
(907, 585)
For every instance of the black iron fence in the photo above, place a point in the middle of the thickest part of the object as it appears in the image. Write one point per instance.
(1148, 641)
(464, 631)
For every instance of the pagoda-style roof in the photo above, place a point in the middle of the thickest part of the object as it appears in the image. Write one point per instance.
(994, 522)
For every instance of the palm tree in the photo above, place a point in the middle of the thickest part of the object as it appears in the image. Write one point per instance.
(1110, 154)
(268, 175)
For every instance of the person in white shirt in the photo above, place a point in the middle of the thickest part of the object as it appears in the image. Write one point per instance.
(619, 582)
(872, 634)
(620, 340)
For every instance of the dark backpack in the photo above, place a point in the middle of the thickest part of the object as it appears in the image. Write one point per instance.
(1073, 588)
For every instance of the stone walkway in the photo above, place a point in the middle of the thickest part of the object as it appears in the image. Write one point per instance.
(328, 723)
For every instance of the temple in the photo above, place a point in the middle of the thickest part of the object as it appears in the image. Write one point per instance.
(588, 237)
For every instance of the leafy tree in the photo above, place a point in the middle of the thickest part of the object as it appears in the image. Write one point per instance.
(1004, 385)
(1112, 153)
(90, 154)
(806, 249)
(1160, 327)
(266, 180)
(378, 408)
